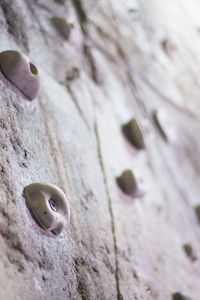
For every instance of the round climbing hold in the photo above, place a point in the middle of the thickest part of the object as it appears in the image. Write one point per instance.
(62, 27)
(129, 184)
(19, 70)
(134, 133)
(48, 205)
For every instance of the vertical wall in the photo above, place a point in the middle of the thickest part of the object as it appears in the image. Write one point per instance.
(122, 59)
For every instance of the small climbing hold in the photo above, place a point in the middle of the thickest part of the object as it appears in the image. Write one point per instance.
(189, 252)
(197, 210)
(167, 46)
(133, 132)
(179, 296)
(49, 205)
(163, 124)
(129, 185)
(73, 74)
(60, 1)
(62, 26)
(18, 69)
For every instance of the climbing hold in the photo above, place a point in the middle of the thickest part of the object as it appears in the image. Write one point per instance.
(49, 205)
(164, 125)
(189, 252)
(62, 26)
(197, 210)
(60, 1)
(73, 74)
(179, 296)
(128, 184)
(133, 132)
(18, 69)
(168, 46)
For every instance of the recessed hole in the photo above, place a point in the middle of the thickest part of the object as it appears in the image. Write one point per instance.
(33, 69)
(53, 205)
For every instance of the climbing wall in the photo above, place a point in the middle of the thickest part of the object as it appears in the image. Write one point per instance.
(134, 230)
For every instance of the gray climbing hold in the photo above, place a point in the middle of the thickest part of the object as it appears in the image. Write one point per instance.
(164, 125)
(189, 252)
(179, 296)
(197, 210)
(49, 205)
(133, 132)
(129, 185)
(62, 26)
(18, 69)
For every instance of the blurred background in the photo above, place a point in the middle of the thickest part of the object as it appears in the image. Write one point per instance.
(116, 126)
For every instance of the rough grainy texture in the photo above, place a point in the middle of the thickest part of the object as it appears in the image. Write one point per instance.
(123, 59)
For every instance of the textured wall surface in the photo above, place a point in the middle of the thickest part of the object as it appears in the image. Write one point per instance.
(123, 59)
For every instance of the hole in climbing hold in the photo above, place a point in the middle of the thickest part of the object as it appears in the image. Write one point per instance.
(33, 69)
(53, 205)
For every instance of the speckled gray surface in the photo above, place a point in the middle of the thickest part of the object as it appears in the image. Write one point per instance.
(122, 60)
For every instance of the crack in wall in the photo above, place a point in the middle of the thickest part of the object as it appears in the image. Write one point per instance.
(185, 111)
(85, 288)
(91, 61)
(55, 146)
(34, 14)
(77, 106)
(83, 20)
(81, 14)
(119, 295)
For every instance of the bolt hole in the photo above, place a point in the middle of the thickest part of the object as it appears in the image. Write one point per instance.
(53, 205)
(33, 69)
